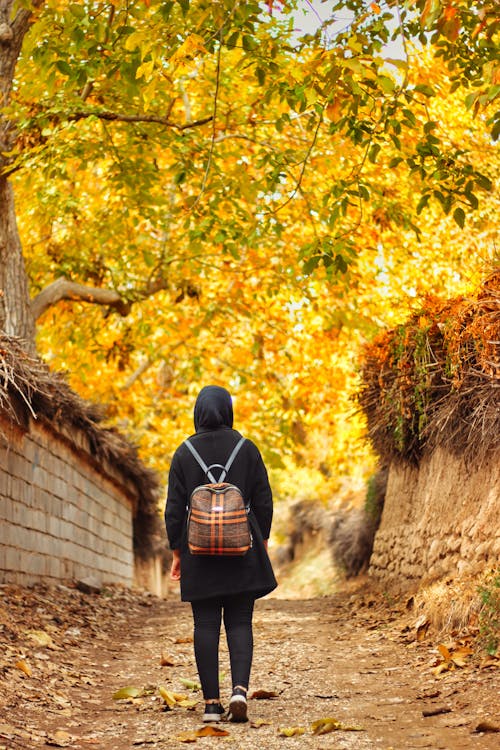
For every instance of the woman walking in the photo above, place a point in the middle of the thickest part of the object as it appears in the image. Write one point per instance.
(220, 587)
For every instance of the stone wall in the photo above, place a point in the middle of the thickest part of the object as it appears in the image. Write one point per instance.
(438, 519)
(62, 515)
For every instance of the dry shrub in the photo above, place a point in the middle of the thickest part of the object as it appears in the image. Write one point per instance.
(436, 379)
(470, 604)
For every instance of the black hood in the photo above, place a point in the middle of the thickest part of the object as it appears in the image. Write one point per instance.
(213, 409)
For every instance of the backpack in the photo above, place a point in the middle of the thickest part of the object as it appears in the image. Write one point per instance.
(217, 514)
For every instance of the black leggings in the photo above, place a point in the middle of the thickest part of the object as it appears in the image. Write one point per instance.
(207, 614)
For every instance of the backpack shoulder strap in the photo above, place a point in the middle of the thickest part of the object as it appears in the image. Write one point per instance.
(207, 469)
(233, 454)
(200, 461)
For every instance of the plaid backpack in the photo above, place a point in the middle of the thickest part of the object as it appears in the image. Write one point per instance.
(217, 515)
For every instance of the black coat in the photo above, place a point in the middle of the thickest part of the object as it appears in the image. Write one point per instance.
(203, 577)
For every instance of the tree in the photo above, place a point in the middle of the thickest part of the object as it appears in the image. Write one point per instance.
(201, 190)
(126, 71)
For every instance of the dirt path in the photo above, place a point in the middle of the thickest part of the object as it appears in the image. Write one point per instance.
(344, 657)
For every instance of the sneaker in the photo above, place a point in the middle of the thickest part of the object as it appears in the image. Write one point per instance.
(238, 706)
(213, 712)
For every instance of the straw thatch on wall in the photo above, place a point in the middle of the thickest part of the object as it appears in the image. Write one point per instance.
(435, 380)
(29, 389)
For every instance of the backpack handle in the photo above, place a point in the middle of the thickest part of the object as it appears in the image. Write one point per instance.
(207, 469)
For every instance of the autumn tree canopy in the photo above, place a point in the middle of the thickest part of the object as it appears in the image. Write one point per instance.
(206, 191)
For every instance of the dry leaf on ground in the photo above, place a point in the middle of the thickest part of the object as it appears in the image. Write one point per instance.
(324, 726)
(291, 731)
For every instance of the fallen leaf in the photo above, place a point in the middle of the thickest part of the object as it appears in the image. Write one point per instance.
(167, 696)
(189, 639)
(41, 638)
(191, 684)
(186, 703)
(445, 653)
(262, 695)
(211, 731)
(422, 626)
(24, 667)
(127, 692)
(256, 723)
(324, 726)
(291, 731)
(167, 661)
(459, 657)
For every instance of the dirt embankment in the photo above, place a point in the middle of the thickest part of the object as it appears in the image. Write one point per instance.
(355, 657)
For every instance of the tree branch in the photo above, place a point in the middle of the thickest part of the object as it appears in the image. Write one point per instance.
(64, 289)
(117, 117)
(61, 289)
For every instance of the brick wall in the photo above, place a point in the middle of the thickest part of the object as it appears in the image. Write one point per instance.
(439, 519)
(61, 515)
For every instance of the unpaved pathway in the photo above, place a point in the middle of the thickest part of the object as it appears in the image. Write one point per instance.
(343, 657)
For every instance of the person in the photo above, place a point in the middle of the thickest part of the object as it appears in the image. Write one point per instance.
(221, 587)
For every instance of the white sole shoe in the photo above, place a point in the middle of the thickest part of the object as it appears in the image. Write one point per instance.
(238, 709)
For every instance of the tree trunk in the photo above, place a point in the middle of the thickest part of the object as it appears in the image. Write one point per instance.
(16, 317)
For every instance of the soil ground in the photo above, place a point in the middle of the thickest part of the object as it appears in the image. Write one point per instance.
(352, 657)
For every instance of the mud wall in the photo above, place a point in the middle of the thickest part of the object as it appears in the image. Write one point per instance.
(438, 519)
(61, 514)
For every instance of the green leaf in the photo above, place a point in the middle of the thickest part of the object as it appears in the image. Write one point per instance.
(459, 216)
(373, 152)
(184, 6)
(395, 161)
(311, 264)
(423, 203)
(63, 67)
(472, 199)
(77, 10)
(484, 182)
(424, 89)
(430, 126)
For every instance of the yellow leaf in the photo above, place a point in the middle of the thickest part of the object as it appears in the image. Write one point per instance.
(459, 657)
(191, 46)
(211, 731)
(127, 692)
(168, 697)
(291, 731)
(187, 704)
(133, 41)
(324, 726)
(21, 664)
(145, 70)
(444, 652)
(256, 723)
(41, 638)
